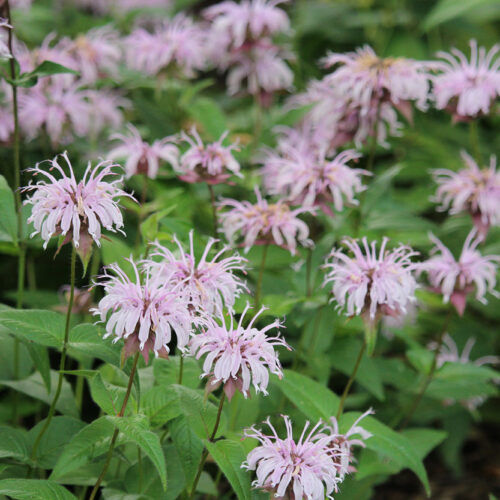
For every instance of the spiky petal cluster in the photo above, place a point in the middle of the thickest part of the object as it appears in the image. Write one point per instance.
(467, 88)
(177, 43)
(303, 469)
(372, 283)
(455, 279)
(306, 176)
(77, 210)
(240, 356)
(4, 48)
(473, 190)
(143, 312)
(212, 163)
(264, 223)
(448, 353)
(118, 7)
(140, 156)
(210, 284)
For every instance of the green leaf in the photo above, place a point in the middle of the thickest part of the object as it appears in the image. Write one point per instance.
(312, 398)
(34, 489)
(34, 386)
(166, 371)
(390, 444)
(229, 455)
(8, 220)
(136, 429)
(46, 68)
(40, 356)
(159, 404)
(13, 443)
(86, 338)
(39, 326)
(108, 397)
(55, 439)
(208, 113)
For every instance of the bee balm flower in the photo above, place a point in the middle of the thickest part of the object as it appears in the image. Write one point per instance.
(144, 312)
(238, 357)
(77, 210)
(472, 190)
(370, 283)
(303, 469)
(457, 279)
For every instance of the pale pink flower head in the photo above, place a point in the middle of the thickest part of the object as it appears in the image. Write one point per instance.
(210, 283)
(212, 163)
(143, 312)
(455, 279)
(140, 156)
(264, 223)
(467, 88)
(304, 469)
(106, 109)
(238, 356)
(6, 122)
(97, 53)
(235, 24)
(4, 47)
(472, 189)
(371, 283)
(308, 177)
(76, 210)
(119, 7)
(448, 353)
(177, 44)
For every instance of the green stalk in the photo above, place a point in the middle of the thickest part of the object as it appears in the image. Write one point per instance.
(214, 211)
(62, 364)
(474, 141)
(181, 369)
(373, 148)
(116, 432)
(258, 288)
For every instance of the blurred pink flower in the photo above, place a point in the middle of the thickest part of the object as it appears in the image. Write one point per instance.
(448, 353)
(105, 109)
(456, 279)
(472, 190)
(118, 7)
(370, 283)
(212, 163)
(177, 43)
(210, 284)
(144, 313)
(6, 122)
(306, 176)
(306, 469)
(4, 48)
(264, 223)
(238, 357)
(467, 89)
(21, 4)
(77, 210)
(140, 156)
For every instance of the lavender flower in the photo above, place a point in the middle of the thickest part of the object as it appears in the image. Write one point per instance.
(238, 357)
(305, 176)
(211, 163)
(144, 312)
(467, 89)
(457, 279)
(6, 122)
(178, 42)
(472, 190)
(448, 353)
(142, 157)
(210, 284)
(303, 469)
(105, 109)
(370, 283)
(76, 210)
(264, 223)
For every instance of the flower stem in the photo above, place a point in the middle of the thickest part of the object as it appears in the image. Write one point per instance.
(116, 432)
(181, 370)
(351, 379)
(62, 363)
(140, 219)
(474, 141)
(214, 211)
(205, 451)
(430, 375)
(373, 147)
(309, 272)
(258, 288)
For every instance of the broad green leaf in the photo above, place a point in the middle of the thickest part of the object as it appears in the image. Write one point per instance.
(40, 356)
(108, 397)
(7, 355)
(13, 444)
(46, 68)
(136, 429)
(390, 444)
(189, 447)
(34, 386)
(208, 113)
(160, 405)
(166, 371)
(39, 326)
(87, 339)
(34, 489)
(421, 359)
(55, 439)
(312, 398)
(8, 220)
(229, 455)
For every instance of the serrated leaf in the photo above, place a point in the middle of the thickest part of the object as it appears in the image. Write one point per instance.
(34, 489)
(159, 404)
(229, 455)
(166, 371)
(108, 397)
(86, 338)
